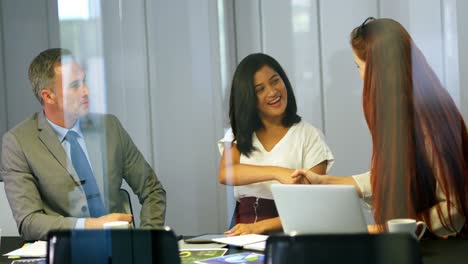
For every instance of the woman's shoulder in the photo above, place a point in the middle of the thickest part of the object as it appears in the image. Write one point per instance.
(307, 128)
(228, 138)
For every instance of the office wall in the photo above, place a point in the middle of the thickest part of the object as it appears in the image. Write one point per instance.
(186, 109)
(462, 25)
(26, 32)
(3, 106)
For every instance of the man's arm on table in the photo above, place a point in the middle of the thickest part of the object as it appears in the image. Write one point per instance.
(143, 180)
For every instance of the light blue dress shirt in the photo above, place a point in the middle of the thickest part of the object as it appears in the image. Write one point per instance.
(61, 133)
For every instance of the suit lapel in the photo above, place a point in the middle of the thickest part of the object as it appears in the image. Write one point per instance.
(49, 138)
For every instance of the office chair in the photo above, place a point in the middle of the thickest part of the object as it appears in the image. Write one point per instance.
(116, 246)
(126, 203)
(346, 248)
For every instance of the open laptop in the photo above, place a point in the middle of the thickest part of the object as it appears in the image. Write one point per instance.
(319, 209)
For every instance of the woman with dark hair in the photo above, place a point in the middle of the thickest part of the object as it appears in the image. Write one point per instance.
(419, 166)
(266, 143)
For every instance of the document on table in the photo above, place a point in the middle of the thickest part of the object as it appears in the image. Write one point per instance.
(185, 246)
(242, 240)
(259, 246)
(37, 249)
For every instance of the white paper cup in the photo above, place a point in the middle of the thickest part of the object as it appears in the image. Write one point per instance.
(406, 226)
(116, 225)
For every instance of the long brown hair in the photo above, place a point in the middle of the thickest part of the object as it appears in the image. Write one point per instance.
(419, 137)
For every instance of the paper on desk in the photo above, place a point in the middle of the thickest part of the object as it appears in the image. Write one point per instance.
(185, 246)
(259, 246)
(242, 240)
(37, 249)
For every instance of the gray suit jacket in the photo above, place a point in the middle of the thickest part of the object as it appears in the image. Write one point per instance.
(44, 190)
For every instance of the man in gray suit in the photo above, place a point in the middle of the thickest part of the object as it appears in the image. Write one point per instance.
(63, 167)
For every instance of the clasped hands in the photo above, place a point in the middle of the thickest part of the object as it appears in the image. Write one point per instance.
(301, 176)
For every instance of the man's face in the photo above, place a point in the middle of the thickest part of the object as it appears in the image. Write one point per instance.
(71, 92)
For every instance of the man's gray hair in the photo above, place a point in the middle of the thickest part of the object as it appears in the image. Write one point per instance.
(41, 71)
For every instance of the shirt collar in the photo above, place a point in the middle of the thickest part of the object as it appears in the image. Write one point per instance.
(61, 132)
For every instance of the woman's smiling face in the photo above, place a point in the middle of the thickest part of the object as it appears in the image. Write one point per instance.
(272, 96)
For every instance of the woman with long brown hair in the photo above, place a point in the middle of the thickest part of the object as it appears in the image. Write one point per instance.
(419, 166)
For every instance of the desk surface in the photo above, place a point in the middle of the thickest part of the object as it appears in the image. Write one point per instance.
(9, 244)
(453, 251)
(444, 251)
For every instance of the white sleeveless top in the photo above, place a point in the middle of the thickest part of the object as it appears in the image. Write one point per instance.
(302, 147)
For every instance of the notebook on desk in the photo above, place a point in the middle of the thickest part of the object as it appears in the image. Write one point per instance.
(250, 241)
(242, 240)
(319, 209)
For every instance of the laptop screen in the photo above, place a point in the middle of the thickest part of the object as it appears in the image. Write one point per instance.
(319, 209)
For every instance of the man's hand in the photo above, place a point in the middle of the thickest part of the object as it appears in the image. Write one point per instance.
(244, 229)
(97, 223)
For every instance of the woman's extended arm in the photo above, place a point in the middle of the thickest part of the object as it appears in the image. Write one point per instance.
(232, 172)
(315, 178)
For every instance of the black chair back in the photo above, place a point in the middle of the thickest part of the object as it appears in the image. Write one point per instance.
(126, 203)
(112, 246)
(353, 248)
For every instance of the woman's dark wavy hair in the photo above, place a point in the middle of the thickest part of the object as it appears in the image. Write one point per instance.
(243, 112)
(419, 136)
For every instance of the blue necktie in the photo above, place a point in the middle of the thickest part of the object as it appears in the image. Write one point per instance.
(83, 169)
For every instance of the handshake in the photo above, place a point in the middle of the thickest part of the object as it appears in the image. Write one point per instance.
(301, 176)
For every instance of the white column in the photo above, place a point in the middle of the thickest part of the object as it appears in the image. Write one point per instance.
(3, 102)
(462, 26)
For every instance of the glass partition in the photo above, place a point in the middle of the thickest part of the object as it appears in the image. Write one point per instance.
(158, 77)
